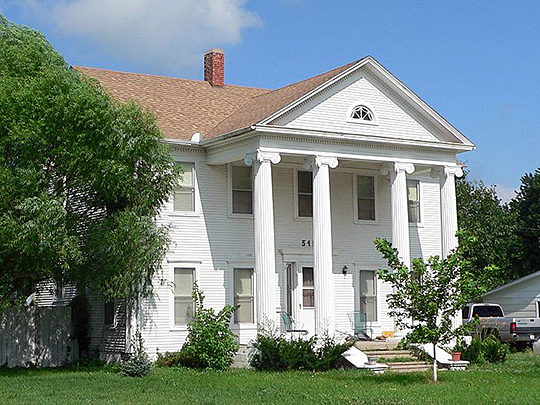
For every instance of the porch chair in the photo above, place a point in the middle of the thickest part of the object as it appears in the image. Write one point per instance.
(359, 324)
(290, 325)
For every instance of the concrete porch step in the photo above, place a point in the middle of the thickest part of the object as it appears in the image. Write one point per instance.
(241, 358)
(389, 353)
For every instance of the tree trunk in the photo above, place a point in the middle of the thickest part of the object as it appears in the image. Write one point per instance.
(434, 362)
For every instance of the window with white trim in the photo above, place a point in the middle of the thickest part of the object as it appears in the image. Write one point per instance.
(362, 113)
(365, 194)
(242, 190)
(184, 307)
(413, 200)
(243, 295)
(368, 295)
(538, 309)
(184, 193)
(305, 194)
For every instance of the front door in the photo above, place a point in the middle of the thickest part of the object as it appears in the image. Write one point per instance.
(300, 303)
(307, 305)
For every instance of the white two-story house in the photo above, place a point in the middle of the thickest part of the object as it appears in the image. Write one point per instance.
(284, 192)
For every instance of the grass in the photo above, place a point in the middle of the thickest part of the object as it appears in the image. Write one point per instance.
(515, 382)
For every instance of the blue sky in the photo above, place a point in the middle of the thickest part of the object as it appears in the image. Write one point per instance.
(476, 62)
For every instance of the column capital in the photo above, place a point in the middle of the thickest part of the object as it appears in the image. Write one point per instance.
(397, 167)
(262, 156)
(445, 171)
(319, 161)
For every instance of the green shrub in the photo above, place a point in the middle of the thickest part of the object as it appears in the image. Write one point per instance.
(210, 343)
(175, 359)
(139, 364)
(488, 350)
(273, 352)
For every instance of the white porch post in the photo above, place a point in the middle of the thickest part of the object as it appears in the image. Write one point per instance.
(400, 213)
(449, 226)
(263, 224)
(322, 244)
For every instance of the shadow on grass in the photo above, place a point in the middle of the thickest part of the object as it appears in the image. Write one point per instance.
(82, 365)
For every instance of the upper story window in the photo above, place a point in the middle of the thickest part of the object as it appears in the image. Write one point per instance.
(365, 194)
(305, 194)
(362, 113)
(109, 312)
(242, 190)
(184, 194)
(413, 200)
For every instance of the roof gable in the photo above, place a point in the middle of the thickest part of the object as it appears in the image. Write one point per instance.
(528, 277)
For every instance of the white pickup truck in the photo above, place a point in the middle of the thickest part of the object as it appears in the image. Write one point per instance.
(492, 321)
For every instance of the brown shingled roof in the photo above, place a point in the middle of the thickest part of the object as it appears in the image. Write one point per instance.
(262, 106)
(184, 107)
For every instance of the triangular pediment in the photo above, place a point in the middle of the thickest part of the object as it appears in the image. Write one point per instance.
(397, 112)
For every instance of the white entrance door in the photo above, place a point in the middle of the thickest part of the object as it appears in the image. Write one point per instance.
(307, 302)
(300, 302)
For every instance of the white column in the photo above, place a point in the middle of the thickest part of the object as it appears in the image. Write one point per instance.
(263, 224)
(449, 226)
(400, 213)
(322, 244)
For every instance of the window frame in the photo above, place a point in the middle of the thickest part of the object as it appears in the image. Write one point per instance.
(242, 264)
(538, 308)
(365, 173)
(376, 294)
(230, 191)
(195, 265)
(366, 104)
(114, 303)
(196, 204)
(420, 204)
(296, 204)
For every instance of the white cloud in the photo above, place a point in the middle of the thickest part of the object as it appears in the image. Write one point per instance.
(170, 35)
(505, 193)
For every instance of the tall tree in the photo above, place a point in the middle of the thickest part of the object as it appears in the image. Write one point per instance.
(82, 177)
(483, 218)
(526, 209)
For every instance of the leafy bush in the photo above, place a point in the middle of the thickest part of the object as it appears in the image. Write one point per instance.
(139, 364)
(174, 359)
(488, 350)
(273, 352)
(210, 343)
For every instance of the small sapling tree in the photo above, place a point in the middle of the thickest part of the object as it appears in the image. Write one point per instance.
(427, 297)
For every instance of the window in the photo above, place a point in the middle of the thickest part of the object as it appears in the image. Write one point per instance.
(362, 113)
(242, 190)
(413, 200)
(305, 194)
(365, 191)
(538, 309)
(243, 296)
(368, 295)
(184, 194)
(108, 313)
(308, 290)
(183, 301)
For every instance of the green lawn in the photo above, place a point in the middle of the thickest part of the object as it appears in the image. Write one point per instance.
(517, 381)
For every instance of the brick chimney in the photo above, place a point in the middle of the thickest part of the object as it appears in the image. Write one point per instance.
(214, 67)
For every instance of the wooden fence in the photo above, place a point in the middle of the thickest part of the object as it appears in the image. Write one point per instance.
(36, 336)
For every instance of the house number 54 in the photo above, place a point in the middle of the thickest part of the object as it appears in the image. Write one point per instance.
(306, 242)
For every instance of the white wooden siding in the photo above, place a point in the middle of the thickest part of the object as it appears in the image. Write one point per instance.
(518, 300)
(215, 242)
(329, 111)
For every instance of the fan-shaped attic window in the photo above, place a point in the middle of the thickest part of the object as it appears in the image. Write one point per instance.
(362, 113)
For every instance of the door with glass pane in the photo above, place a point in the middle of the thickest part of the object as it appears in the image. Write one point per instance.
(307, 302)
(367, 299)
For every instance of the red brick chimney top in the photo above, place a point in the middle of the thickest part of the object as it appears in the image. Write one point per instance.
(214, 67)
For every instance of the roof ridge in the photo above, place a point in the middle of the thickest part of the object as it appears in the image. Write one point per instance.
(166, 77)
